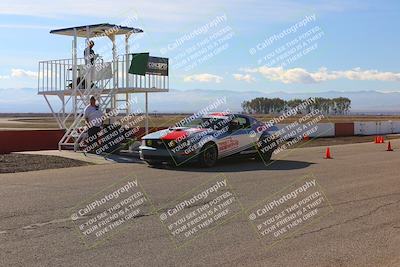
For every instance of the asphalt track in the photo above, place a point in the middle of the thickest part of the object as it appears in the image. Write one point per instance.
(362, 183)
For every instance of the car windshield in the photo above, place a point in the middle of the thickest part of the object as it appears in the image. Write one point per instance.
(214, 123)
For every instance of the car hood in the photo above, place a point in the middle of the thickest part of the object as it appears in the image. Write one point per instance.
(175, 133)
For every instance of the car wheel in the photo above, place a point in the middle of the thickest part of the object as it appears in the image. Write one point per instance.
(264, 155)
(208, 155)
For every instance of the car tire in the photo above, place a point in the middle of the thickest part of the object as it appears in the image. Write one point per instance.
(209, 155)
(266, 155)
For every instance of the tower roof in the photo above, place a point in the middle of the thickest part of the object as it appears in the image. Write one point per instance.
(102, 29)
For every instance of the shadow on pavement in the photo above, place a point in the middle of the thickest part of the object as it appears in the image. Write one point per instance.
(124, 158)
(238, 165)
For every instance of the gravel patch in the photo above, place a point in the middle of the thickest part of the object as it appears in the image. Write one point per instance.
(12, 163)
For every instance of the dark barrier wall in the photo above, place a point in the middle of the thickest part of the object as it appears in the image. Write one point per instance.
(14, 141)
(31, 140)
(344, 129)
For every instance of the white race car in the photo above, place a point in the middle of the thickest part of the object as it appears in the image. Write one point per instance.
(208, 138)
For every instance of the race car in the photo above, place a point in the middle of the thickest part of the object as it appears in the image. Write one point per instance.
(207, 138)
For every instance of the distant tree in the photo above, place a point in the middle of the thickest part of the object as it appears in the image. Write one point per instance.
(278, 105)
(263, 105)
(290, 104)
(246, 107)
(342, 105)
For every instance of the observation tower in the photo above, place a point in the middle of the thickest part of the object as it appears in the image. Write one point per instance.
(72, 81)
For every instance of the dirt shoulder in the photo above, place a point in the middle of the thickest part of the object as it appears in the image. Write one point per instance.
(12, 163)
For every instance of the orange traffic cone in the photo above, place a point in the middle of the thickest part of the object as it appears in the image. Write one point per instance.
(389, 148)
(328, 153)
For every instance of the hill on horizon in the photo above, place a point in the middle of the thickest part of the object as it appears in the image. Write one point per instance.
(26, 100)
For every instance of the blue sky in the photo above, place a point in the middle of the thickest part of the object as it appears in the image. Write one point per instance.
(357, 49)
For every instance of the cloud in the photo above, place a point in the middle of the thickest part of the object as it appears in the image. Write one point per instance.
(300, 75)
(204, 77)
(244, 77)
(20, 73)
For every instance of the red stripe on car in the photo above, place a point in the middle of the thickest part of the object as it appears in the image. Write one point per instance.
(175, 135)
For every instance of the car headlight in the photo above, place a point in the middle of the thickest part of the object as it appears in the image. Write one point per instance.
(171, 144)
(149, 142)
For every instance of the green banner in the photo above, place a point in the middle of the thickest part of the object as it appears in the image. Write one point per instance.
(139, 63)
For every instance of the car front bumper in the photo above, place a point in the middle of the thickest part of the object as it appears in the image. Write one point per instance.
(151, 154)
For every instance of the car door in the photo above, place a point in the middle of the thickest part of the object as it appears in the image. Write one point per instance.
(237, 140)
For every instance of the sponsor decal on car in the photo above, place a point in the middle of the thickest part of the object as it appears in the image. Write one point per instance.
(228, 144)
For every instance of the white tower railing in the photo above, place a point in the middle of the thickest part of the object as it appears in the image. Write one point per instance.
(56, 76)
